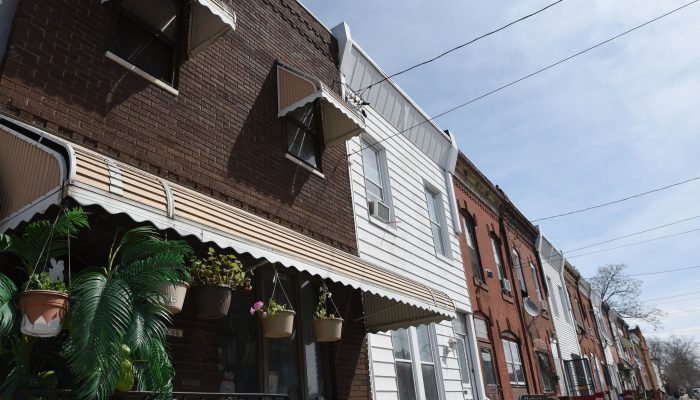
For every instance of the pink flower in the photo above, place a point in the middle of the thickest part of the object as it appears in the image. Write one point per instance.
(258, 304)
(252, 311)
(264, 314)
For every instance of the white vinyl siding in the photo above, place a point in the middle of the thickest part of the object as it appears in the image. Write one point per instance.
(564, 304)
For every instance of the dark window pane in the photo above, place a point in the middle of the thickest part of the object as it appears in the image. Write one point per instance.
(301, 134)
(429, 381)
(488, 367)
(402, 347)
(404, 378)
(238, 338)
(463, 365)
(316, 363)
(282, 355)
(136, 45)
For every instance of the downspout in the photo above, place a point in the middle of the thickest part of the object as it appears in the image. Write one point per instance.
(517, 296)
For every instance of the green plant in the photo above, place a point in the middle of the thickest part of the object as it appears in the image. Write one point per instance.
(42, 281)
(40, 242)
(120, 304)
(268, 310)
(322, 306)
(219, 269)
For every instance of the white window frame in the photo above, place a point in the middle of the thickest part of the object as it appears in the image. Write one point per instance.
(417, 363)
(553, 297)
(518, 265)
(538, 289)
(367, 142)
(459, 327)
(508, 345)
(431, 192)
(473, 246)
(564, 303)
(498, 257)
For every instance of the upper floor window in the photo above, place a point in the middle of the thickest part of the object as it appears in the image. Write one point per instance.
(555, 309)
(498, 258)
(487, 362)
(538, 291)
(146, 34)
(437, 224)
(415, 362)
(473, 247)
(304, 135)
(519, 270)
(547, 372)
(513, 362)
(481, 329)
(376, 181)
(564, 304)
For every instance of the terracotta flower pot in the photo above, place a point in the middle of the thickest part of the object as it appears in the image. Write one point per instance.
(328, 329)
(279, 326)
(174, 296)
(212, 301)
(42, 312)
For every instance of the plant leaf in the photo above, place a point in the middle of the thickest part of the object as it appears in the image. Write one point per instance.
(8, 312)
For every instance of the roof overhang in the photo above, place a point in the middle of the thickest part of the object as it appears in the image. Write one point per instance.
(38, 170)
(296, 89)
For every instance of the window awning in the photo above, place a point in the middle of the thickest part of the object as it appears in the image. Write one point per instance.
(209, 20)
(296, 89)
(38, 170)
(626, 343)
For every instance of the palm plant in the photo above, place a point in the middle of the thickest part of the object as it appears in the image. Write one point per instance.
(120, 304)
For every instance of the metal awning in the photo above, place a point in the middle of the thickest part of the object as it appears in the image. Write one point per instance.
(209, 20)
(626, 343)
(296, 89)
(38, 170)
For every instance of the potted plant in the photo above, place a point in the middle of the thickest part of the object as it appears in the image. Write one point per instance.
(328, 327)
(214, 276)
(43, 306)
(277, 319)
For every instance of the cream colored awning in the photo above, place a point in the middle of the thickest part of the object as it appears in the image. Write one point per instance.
(296, 89)
(209, 20)
(57, 169)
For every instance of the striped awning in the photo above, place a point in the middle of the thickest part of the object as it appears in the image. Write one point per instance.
(56, 169)
(296, 89)
(210, 20)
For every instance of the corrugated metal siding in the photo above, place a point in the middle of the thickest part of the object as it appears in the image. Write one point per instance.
(292, 87)
(27, 173)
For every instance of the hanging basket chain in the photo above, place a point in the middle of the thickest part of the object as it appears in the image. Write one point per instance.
(276, 281)
(43, 248)
(330, 296)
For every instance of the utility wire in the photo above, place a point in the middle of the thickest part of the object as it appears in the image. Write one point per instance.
(678, 301)
(475, 99)
(620, 247)
(619, 200)
(663, 272)
(670, 297)
(633, 234)
(683, 312)
(458, 47)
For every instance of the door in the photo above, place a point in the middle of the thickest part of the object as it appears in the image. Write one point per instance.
(493, 389)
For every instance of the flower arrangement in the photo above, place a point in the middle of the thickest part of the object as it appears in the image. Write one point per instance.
(321, 307)
(219, 269)
(268, 310)
(43, 281)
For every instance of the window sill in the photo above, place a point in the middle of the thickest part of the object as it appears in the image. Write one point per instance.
(138, 71)
(387, 226)
(507, 297)
(303, 165)
(444, 257)
(480, 284)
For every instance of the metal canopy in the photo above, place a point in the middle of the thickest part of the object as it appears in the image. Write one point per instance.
(61, 169)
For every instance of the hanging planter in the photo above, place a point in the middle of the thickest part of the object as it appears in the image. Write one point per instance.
(214, 276)
(277, 319)
(174, 295)
(43, 311)
(328, 327)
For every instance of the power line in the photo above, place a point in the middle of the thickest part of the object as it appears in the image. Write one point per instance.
(683, 312)
(619, 200)
(678, 301)
(663, 272)
(475, 99)
(620, 247)
(633, 234)
(670, 297)
(458, 47)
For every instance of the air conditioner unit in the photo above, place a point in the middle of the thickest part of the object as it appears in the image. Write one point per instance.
(506, 285)
(379, 210)
(543, 304)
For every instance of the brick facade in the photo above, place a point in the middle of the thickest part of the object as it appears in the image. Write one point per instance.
(501, 311)
(220, 135)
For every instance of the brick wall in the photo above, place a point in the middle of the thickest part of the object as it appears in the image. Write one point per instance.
(220, 135)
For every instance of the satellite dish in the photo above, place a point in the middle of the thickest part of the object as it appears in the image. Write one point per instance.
(530, 307)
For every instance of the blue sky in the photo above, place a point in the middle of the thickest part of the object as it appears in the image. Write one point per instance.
(619, 120)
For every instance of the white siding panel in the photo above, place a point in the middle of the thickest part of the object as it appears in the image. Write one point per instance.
(384, 384)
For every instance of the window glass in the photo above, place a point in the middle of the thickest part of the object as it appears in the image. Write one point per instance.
(434, 207)
(429, 381)
(519, 270)
(315, 361)
(481, 328)
(401, 344)
(425, 352)
(496, 247)
(404, 380)
(302, 135)
(489, 374)
(546, 371)
(373, 171)
(470, 236)
(537, 282)
(513, 363)
(564, 304)
(424, 349)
